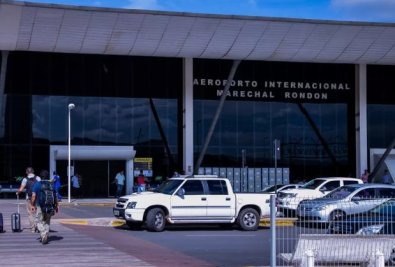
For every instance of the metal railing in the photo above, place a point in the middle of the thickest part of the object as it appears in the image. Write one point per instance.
(336, 232)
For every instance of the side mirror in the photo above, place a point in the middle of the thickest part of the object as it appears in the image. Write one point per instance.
(181, 192)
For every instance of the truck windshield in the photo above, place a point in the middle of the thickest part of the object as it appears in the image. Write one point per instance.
(168, 187)
(313, 184)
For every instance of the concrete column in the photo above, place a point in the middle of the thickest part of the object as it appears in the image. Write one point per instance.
(3, 73)
(187, 116)
(361, 133)
(129, 176)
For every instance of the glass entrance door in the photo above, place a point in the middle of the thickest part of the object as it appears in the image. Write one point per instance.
(94, 177)
(97, 176)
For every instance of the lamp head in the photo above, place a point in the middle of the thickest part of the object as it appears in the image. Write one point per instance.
(71, 106)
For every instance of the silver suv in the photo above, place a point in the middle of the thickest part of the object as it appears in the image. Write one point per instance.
(345, 200)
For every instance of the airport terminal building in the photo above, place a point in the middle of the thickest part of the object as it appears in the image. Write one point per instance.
(147, 85)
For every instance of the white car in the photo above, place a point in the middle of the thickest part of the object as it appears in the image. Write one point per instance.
(289, 200)
(280, 187)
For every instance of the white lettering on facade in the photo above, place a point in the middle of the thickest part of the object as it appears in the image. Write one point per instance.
(247, 94)
(304, 95)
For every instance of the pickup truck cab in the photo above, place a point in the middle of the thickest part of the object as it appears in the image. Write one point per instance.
(197, 199)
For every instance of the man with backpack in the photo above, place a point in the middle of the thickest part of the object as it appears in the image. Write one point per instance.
(27, 183)
(44, 202)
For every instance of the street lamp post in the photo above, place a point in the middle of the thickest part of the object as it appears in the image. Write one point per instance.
(71, 106)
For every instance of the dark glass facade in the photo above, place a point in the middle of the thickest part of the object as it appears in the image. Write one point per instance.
(116, 100)
(271, 100)
(309, 107)
(380, 105)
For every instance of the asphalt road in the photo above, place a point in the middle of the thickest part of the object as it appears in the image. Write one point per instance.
(200, 245)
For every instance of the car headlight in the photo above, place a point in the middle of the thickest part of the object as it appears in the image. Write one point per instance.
(370, 230)
(292, 194)
(131, 205)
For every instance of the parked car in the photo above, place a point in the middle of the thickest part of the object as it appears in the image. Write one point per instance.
(288, 200)
(379, 220)
(197, 199)
(345, 200)
(280, 187)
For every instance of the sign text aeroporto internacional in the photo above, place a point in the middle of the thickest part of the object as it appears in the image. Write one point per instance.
(274, 89)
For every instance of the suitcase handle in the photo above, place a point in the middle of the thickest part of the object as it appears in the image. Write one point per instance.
(17, 201)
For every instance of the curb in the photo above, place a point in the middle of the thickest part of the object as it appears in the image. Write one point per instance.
(279, 222)
(107, 222)
(66, 204)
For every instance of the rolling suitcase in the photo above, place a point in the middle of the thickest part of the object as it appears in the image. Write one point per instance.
(1, 223)
(16, 219)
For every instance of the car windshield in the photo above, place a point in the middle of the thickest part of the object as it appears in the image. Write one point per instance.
(341, 192)
(387, 208)
(313, 184)
(168, 187)
(271, 188)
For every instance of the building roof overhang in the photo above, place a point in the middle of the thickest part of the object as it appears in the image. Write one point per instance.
(28, 26)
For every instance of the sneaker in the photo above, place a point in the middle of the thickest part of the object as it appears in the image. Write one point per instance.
(45, 239)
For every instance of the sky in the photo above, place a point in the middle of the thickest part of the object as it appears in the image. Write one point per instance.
(345, 10)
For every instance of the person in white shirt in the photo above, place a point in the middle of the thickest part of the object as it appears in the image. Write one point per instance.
(120, 182)
(27, 183)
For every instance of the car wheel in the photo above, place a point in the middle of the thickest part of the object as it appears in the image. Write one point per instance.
(336, 215)
(133, 225)
(248, 219)
(156, 220)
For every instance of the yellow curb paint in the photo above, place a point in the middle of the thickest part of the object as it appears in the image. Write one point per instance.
(279, 222)
(117, 223)
(77, 222)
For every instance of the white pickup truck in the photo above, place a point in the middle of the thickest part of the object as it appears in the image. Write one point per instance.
(197, 199)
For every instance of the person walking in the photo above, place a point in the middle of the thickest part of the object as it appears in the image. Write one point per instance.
(365, 176)
(120, 182)
(44, 203)
(141, 182)
(27, 184)
(56, 182)
(75, 185)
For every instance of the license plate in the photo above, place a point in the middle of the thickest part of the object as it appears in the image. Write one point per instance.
(116, 212)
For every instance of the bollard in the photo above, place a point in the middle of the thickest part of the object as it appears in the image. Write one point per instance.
(273, 230)
(309, 258)
(378, 259)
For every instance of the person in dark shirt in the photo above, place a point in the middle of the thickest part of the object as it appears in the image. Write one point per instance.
(43, 218)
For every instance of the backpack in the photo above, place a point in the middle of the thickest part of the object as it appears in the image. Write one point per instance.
(47, 197)
(29, 185)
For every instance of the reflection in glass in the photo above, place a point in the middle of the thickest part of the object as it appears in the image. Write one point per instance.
(104, 121)
(253, 126)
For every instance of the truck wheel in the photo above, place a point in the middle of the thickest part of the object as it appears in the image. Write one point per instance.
(248, 219)
(156, 220)
(134, 225)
